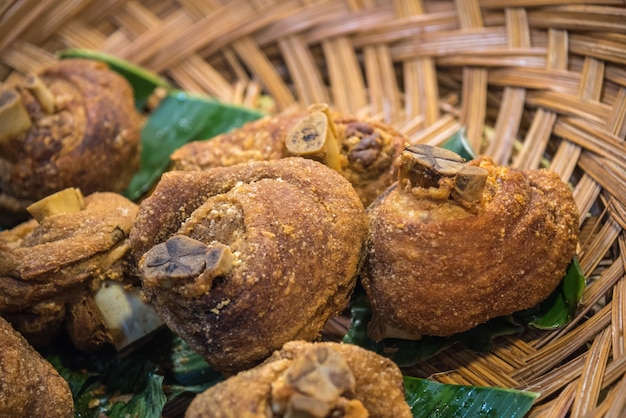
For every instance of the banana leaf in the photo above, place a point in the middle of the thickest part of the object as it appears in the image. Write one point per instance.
(180, 118)
(458, 143)
(138, 383)
(560, 307)
(407, 353)
(429, 399)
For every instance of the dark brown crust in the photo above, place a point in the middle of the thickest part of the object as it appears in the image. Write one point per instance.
(47, 267)
(296, 229)
(369, 170)
(90, 142)
(29, 385)
(435, 269)
(379, 385)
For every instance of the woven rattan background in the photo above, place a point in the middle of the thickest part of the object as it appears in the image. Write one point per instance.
(534, 82)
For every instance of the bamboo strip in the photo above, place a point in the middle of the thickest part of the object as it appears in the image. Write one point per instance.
(260, 65)
(606, 174)
(585, 194)
(47, 24)
(76, 33)
(302, 20)
(346, 81)
(562, 81)
(614, 371)
(617, 405)
(616, 74)
(437, 133)
(466, 41)
(358, 20)
(510, 111)
(496, 57)
(420, 83)
(594, 251)
(466, 371)
(559, 407)
(619, 318)
(555, 380)
(489, 367)
(19, 18)
(610, 275)
(203, 76)
(597, 141)
(384, 93)
(589, 384)
(25, 57)
(570, 105)
(592, 46)
(408, 26)
(554, 353)
(135, 19)
(616, 123)
(538, 135)
(580, 18)
(564, 160)
(99, 10)
(536, 3)
(259, 20)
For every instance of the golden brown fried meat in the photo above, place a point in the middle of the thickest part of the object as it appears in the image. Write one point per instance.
(312, 380)
(454, 244)
(238, 260)
(50, 268)
(29, 385)
(367, 149)
(73, 124)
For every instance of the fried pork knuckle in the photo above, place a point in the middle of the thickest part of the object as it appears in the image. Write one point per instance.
(76, 126)
(365, 149)
(455, 244)
(29, 385)
(238, 260)
(310, 380)
(50, 268)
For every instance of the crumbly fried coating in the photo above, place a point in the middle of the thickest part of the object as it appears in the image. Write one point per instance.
(50, 269)
(238, 260)
(313, 380)
(89, 139)
(29, 385)
(368, 149)
(438, 265)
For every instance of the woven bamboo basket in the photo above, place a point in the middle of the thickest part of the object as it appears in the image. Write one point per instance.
(535, 83)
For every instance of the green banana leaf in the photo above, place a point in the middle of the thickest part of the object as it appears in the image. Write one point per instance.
(429, 399)
(407, 353)
(560, 307)
(458, 143)
(134, 384)
(180, 118)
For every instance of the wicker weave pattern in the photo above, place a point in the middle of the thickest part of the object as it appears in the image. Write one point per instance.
(535, 83)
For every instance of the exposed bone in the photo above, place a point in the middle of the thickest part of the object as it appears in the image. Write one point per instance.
(439, 172)
(185, 265)
(126, 316)
(178, 258)
(313, 385)
(470, 183)
(219, 262)
(41, 92)
(14, 118)
(68, 200)
(315, 135)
